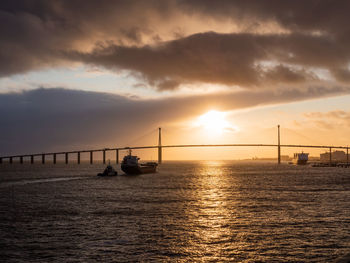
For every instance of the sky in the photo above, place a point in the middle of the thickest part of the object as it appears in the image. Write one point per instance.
(93, 74)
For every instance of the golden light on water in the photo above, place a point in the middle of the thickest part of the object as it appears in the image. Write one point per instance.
(212, 216)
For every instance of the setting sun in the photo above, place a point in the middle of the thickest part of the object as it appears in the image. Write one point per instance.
(213, 121)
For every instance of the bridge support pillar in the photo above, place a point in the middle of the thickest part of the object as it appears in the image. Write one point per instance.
(159, 154)
(330, 156)
(54, 158)
(347, 155)
(160, 146)
(279, 146)
(66, 158)
(104, 156)
(117, 156)
(32, 159)
(78, 158)
(91, 157)
(21, 159)
(43, 158)
(10, 159)
(0, 160)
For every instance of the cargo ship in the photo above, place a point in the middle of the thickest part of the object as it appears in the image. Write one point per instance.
(131, 165)
(300, 158)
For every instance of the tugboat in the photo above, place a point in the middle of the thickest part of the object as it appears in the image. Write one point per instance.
(300, 158)
(109, 171)
(131, 165)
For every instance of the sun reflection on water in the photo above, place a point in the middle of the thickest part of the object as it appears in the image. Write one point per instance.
(212, 217)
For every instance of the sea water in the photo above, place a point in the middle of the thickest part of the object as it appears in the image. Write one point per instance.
(188, 211)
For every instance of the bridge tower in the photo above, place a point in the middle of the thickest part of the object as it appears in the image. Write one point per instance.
(160, 146)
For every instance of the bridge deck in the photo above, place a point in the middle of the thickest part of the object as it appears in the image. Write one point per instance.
(179, 146)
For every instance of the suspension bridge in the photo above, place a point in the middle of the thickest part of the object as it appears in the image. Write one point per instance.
(67, 154)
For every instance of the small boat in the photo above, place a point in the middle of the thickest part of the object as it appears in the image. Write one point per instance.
(131, 165)
(109, 171)
(300, 158)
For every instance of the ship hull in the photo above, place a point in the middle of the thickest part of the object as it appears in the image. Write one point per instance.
(300, 162)
(138, 169)
(107, 174)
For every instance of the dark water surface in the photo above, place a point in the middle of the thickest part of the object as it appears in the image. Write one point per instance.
(189, 211)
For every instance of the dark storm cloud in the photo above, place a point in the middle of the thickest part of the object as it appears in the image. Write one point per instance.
(34, 33)
(323, 16)
(129, 35)
(202, 57)
(229, 59)
(59, 119)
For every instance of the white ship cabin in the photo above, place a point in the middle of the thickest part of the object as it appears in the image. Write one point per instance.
(301, 156)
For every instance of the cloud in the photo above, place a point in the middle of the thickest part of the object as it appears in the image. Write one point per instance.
(315, 16)
(336, 114)
(170, 43)
(60, 119)
(229, 59)
(336, 119)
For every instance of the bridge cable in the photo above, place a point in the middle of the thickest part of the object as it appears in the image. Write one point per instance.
(143, 136)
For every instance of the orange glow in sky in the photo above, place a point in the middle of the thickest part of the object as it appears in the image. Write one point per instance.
(214, 122)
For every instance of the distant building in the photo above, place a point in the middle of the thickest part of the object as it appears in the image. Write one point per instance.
(337, 156)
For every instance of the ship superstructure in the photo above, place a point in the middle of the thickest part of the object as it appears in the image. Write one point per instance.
(301, 158)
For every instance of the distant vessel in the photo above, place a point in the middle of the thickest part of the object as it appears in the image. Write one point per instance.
(109, 171)
(301, 158)
(131, 165)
